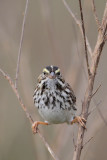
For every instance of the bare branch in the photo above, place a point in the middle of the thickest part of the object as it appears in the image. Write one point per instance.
(96, 90)
(17, 94)
(87, 141)
(96, 105)
(20, 45)
(48, 147)
(27, 114)
(79, 25)
(88, 94)
(95, 15)
(74, 141)
(83, 28)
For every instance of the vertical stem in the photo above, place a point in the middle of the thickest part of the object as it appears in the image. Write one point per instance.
(85, 45)
(20, 45)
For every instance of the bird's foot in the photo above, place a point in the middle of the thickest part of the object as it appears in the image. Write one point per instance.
(79, 120)
(35, 126)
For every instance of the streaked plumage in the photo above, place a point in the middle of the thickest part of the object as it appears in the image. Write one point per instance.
(54, 98)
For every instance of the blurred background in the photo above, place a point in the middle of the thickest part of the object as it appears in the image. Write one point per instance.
(50, 37)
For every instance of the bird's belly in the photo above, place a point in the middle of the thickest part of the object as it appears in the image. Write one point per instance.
(56, 115)
(53, 108)
(53, 116)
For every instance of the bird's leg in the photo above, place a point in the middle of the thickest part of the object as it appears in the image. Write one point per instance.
(35, 126)
(79, 120)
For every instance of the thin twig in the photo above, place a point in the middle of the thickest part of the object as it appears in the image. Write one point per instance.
(27, 114)
(95, 15)
(79, 25)
(96, 90)
(87, 141)
(48, 147)
(17, 94)
(83, 28)
(20, 45)
(93, 109)
(74, 141)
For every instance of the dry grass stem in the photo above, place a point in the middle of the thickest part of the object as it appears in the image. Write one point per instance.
(17, 94)
(93, 109)
(96, 90)
(20, 45)
(87, 141)
(95, 15)
(48, 147)
(88, 94)
(74, 141)
(79, 25)
(84, 37)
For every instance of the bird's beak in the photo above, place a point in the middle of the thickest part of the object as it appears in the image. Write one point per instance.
(52, 75)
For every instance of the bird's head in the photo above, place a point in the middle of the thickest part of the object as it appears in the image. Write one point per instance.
(51, 72)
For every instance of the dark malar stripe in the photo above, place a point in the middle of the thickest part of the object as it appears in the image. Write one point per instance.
(43, 88)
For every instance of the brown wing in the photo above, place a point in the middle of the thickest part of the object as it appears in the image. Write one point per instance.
(71, 93)
(39, 78)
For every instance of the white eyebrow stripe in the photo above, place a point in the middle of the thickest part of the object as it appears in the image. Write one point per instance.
(58, 70)
(45, 70)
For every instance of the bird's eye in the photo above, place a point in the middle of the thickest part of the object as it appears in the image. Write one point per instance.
(58, 73)
(45, 73)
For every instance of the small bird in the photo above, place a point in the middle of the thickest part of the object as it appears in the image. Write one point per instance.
(55, 99)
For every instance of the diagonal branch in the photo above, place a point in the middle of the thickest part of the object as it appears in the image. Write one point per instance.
(87, 142)
(96, 90)
(17, 95)
(88, 94)
(83, 28)
(47, 146)
(20, 45)
(27, 113)
(95, 15)
(79, 25)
